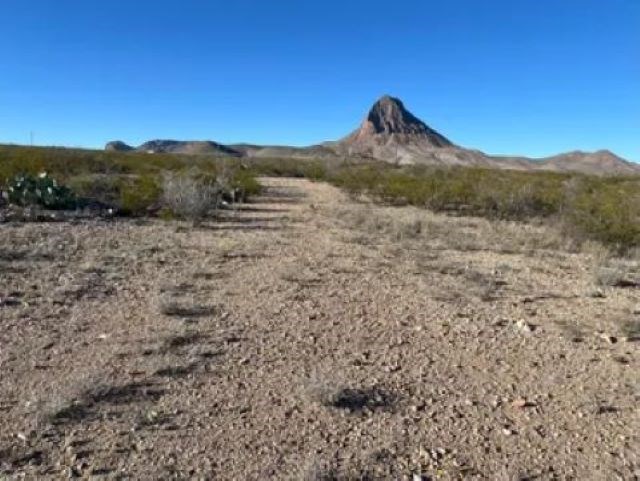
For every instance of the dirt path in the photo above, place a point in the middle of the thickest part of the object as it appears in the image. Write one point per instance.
(305, 335)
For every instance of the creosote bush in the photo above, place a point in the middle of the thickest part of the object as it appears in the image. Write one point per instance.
(139, 195)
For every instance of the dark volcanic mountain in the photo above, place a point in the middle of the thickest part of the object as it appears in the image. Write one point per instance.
(391, 133)
(389, 120)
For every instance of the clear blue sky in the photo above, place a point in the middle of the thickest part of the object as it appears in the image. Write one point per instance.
(531, 77)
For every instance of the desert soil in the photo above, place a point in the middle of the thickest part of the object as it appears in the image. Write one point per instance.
(309, 336)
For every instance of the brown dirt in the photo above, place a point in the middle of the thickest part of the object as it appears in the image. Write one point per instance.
(309, 336)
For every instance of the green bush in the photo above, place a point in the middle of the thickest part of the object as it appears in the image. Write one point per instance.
(139, 195)
(246, 183)
(99, 187)
(607, 211)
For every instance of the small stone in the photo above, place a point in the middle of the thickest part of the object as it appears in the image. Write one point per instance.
(522, 403)
(524, 326)
(507, 431)
(608, 338)
(10, 302)
(597, 293)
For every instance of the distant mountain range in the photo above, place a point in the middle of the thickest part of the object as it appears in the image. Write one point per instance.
(392, 134)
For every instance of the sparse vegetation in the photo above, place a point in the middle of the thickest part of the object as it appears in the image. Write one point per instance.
(418, 336)
(130, 182)
(605, 209)
(617, 272)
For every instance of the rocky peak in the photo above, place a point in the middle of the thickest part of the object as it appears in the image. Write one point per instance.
(389, 117)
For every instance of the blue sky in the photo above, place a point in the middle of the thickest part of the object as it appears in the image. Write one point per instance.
(532, 77)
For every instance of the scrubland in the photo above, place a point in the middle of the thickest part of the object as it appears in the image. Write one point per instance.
(364, 322)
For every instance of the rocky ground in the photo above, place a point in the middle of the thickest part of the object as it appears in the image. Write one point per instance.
(307, 336)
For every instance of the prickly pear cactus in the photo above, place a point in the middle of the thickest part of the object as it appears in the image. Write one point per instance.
(42, 190)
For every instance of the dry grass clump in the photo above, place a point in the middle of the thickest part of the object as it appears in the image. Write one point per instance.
(631, 329)
(443, 232)
(617, 272)
(190, 197)
(374, 221)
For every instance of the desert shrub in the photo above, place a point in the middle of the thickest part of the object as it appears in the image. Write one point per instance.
(42, 190)
(138, 195)
(278, 167)
(606, 210)
(245, 182)
(190, 196)
(100, 187)
(289, 167)
(315, 170)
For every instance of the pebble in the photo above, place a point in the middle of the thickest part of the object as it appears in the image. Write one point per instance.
(597, 293)
(10, 302)
(608, 338)
(525, 326)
